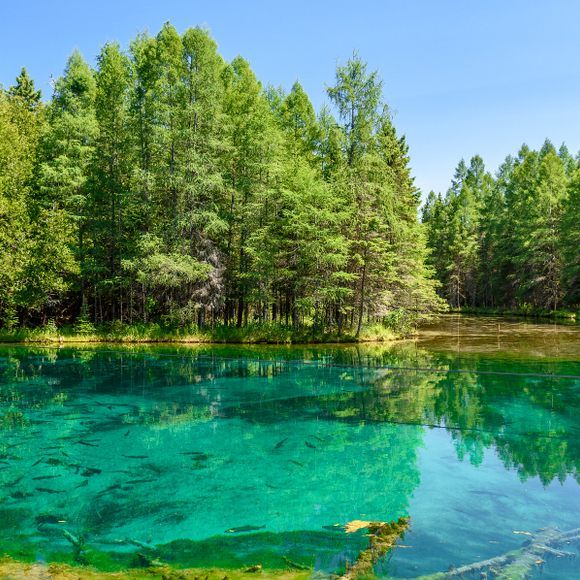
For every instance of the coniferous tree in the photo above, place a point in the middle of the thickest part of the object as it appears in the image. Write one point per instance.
(250, 172)
(457, 250)
(60, 195)
(109, 200)
(356, 95)
(534, 209)
(18, 138)
(310, 251)
(383, 201)
(167, 185)
(494, 240)
(25, 90)
(570, 242)
(508, 241)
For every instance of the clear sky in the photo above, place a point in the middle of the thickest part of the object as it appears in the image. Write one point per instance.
(463, 76)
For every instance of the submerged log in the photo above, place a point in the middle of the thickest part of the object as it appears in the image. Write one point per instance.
(518, 563)
(79, 547)
(382, 538)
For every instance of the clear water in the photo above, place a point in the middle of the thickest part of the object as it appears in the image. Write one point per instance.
(472, 430)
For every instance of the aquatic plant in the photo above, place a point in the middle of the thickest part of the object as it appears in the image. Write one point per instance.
(12, 418)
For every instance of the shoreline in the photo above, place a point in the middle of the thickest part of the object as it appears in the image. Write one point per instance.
(557, 315)
(10, 568)
(156, 334)
(153, 333)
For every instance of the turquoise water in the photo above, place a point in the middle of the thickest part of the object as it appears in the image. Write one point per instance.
(233, 456)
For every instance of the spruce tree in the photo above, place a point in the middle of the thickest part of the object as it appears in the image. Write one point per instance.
(59, 204)
(570, 242)
(110, 202)
(167, 185)
(25, 91)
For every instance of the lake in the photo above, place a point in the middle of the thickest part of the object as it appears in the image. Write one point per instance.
(233, 456)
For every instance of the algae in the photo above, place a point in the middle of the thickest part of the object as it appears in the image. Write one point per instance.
(16, 570)
(382, 539)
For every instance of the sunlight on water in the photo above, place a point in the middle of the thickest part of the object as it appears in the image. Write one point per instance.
(231, 456)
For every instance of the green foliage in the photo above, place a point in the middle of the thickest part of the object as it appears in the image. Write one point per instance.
(387, 247)
(166, 186)
(20, 129)
(83, 325)
(509, 242)
(570, 241)
(174, 330)
(25, 91)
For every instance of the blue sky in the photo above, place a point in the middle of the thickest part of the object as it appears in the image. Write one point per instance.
(463, 77)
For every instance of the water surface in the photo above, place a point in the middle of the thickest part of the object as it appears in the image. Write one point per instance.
(232, 456)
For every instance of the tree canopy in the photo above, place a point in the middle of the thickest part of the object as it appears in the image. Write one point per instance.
(167, 184)
(511, 240)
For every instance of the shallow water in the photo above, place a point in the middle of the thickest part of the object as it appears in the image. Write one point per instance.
(232, 456)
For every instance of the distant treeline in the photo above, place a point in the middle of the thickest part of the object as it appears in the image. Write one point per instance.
(512, 240)
(168, 185)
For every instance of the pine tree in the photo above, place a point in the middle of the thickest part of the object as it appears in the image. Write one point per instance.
(250, 168)
(330, 146)
(459, 246)
(177, 110)
(494, 239)
(570, 242)
(201, 145)
(357, 97)
(305, 225)
(382, 199)
(60, 199)
(413, 287)
(534, 206)
(25, 91)
(110, 202)
(298, 120)
(16, 159)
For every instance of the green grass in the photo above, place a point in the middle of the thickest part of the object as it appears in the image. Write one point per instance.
(153, 332)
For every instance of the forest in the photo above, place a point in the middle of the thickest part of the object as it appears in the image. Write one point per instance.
(513, 240)
(166, 184)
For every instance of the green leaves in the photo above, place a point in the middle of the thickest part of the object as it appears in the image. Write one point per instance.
(25, 91)
(570, 241)
(509, 241)
(156, 269)
(20, 127)
(167, 184)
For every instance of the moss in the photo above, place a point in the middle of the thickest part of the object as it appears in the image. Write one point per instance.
(382, 538)
(11, 419)
(276, 553)
(10, 568)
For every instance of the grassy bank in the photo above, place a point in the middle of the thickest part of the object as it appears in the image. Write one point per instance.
(525, 312)
(12, 569)
(156, 333)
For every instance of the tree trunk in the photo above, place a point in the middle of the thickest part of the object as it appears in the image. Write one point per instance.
(362, 299)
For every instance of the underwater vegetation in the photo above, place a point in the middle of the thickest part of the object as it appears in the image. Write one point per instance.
(278, 461)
